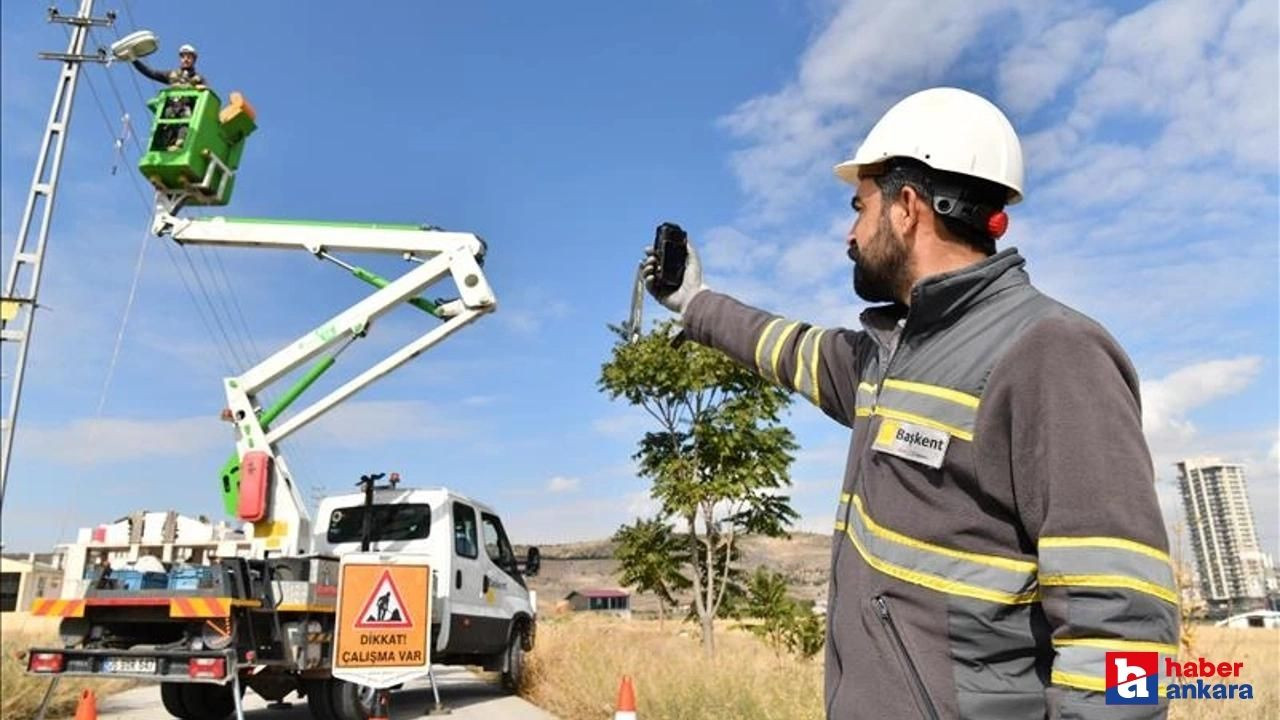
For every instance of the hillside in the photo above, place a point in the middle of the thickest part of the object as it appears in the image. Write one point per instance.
(803, 559)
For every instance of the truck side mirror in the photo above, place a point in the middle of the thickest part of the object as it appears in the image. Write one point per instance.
(532, 562)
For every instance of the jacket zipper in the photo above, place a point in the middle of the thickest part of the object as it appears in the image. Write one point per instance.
(888, 365)
(882, 609)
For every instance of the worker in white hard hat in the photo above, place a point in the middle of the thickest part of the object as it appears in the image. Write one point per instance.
(173, 137)
(183, 75)
(998, 550)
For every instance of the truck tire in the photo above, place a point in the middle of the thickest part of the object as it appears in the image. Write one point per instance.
(208, 702)
(352, 701)
(513, 662)
(320, 699)
(171, 696)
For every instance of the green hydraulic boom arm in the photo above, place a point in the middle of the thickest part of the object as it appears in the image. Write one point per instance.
(380, 282)
(230, 473)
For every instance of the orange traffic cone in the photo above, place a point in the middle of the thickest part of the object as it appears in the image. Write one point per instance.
(626, 700)
(381, 706)
(87, 709)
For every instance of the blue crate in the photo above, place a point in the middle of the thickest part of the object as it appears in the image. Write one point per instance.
(135, 580)
(191, 577)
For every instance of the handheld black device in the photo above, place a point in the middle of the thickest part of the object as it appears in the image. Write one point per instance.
(671, 249)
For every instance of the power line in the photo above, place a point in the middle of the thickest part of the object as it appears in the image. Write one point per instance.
(239, 334)
(128, 10)
(204, 291)
(236, 319)
(230, 302)
(222, 352)
(242, 344)
(232, 347)
(93, 91)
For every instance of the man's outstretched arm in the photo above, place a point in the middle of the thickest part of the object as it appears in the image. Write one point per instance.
(821, 364)
(157, 75)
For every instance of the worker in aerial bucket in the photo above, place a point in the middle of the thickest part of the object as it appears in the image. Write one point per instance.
(183, 75)
(997, 533)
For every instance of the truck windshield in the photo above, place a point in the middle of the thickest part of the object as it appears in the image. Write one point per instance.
(407, 521)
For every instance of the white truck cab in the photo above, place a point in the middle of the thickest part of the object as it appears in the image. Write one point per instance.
(482, 612)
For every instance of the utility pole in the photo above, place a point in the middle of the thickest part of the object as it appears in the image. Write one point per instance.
(22, 284)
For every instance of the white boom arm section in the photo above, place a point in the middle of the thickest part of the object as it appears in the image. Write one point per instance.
(286, 528)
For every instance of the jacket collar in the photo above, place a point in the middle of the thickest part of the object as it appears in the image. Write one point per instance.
(939, 297)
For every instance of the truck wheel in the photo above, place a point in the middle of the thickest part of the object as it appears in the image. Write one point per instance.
(352, 701)
(171, 696)
(513, 662)
(208, 702)
(320, 699)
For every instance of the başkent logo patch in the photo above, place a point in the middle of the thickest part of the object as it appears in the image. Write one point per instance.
(912, 442)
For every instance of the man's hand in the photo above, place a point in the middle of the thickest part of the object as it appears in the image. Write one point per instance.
(691, 284)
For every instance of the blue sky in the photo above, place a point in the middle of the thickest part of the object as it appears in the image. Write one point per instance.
(562, 133)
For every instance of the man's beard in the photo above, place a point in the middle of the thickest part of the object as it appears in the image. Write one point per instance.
(881, 272)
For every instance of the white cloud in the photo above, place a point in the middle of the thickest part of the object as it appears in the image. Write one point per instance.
(1168, 404)
(626, 426)
(810, 260)
(530, 311)
(1151, 143)
(563, 484)
(642, 504)
(1168, 401)
(480, 400)
(729, 249)
(88, 441)
(854, 69)
(371, 423)
(1205, 72)
(1032, 73)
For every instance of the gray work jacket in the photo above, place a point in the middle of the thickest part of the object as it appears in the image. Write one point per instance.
(997, 533)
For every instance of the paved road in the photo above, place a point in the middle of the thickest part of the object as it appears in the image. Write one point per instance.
(467, 695)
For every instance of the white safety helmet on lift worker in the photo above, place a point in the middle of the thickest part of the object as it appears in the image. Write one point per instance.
(188, 49)
(947, 129)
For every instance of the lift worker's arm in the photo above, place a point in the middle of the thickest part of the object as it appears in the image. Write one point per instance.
(821, 364)
(1064, 402)
(157, 75)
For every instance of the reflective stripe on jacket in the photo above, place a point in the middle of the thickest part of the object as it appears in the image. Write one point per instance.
(997, 532)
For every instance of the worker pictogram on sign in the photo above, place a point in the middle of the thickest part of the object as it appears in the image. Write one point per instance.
(385, 608)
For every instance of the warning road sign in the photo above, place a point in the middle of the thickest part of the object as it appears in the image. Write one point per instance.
(384, 619)
(384, 608)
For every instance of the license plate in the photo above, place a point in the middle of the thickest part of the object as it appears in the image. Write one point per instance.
(129, 665)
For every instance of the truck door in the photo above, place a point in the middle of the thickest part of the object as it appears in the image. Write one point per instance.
(505, 583)
(474, 620)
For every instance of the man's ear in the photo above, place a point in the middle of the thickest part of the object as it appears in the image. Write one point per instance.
(907, 211)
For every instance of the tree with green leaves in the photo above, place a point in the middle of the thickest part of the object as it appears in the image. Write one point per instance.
(650, 559)
(781, 620)
(806, 631)
(769, 606)
(718, 458)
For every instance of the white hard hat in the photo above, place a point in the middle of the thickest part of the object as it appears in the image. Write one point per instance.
(188, 49)
(947, 129)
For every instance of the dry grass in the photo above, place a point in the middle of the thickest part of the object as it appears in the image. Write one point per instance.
(20, 694)
(579, 660)
(575, 670)
(1259, 650)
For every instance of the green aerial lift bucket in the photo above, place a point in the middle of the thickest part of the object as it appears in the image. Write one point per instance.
(196, 144)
